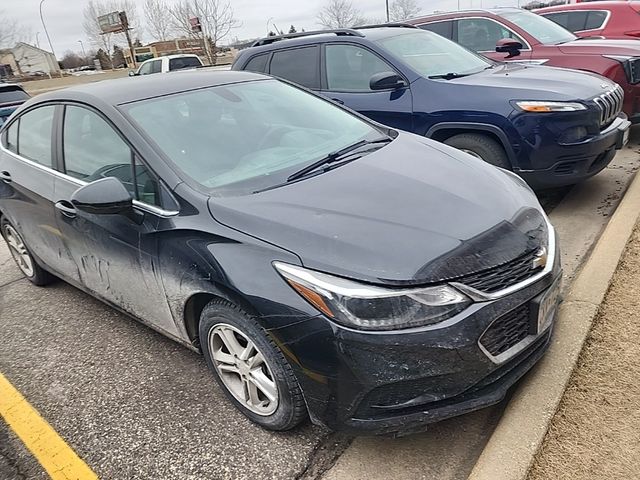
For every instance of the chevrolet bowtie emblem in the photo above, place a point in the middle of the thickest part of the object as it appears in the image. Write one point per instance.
(540, 260)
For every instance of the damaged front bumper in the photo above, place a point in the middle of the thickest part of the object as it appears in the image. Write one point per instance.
(399, 382)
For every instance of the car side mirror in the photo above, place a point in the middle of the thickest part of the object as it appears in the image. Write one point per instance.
(386, 81)
(510, 46)
(107, 196)
(132, 73)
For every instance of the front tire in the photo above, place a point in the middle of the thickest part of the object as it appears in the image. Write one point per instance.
(482, 147)
(23, 258)
(249, 367)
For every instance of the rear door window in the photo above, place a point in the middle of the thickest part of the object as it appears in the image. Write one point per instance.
(299, 65)
(156, 66)
(34, 135)
(595, 20)
(444, 29)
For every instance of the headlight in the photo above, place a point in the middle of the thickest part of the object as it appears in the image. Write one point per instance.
(368, 307)
(542, 106)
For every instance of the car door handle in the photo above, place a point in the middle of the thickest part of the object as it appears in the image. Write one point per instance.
(337, 100)
(5, 176)
(66, 208)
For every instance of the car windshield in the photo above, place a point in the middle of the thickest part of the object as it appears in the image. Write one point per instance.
(244, 137)
(431, 55)
(12, 95)
(542, 29)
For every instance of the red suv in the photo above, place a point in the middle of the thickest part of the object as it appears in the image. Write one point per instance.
(513, 34)
(609, 19)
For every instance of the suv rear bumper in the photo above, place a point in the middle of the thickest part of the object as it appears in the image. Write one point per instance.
(578, 161)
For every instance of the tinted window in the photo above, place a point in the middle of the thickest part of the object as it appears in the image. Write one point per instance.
(156, 66)
(577, 21)
(34, 135)
(482, 35)
(92, 148)
(595, 20)
(12, 138)
(12, 94)
(184, 62)
(300, 65)
(257, 63)
(239, 138)
(561, 18)
(351, 68)
(441, 28)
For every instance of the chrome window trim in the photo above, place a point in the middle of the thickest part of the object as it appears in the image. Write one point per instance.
(137, 203)
(527, 49)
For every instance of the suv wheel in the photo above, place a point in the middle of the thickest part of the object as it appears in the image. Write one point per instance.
(23, 258)
(482, 147)
(250, 368)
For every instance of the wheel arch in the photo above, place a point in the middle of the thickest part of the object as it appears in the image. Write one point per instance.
(443, 131)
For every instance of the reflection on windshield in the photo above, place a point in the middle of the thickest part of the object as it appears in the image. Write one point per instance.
(542, 29)
(249, 136)
(431, 55)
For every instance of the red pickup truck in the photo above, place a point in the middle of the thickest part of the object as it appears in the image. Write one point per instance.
(513, 34)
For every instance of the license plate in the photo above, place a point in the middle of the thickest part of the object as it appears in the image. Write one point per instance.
(547, 306)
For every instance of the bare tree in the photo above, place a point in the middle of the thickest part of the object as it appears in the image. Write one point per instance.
(96, 8)
(402, 10)
(340, 14)
(216, 19)
(11, 32)
(158, 19)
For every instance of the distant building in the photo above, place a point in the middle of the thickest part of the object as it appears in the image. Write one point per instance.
(25, 59)
(178, 46)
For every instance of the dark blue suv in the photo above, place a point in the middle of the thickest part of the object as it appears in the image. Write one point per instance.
(551, 126)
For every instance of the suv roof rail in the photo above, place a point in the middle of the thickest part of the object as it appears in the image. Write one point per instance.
(338, 31)
(392, 25)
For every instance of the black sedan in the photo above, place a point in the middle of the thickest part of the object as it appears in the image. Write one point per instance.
(325, 265)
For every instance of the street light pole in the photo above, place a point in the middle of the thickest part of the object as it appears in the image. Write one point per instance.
(82, 45)
(48, 38)
(387, 5)
(268, 22)
(37, 40)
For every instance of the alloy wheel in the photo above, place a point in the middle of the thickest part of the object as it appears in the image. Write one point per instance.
(19, 251)
(243, 369)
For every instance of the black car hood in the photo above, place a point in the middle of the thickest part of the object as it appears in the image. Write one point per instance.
(413, 212)
(535, 82)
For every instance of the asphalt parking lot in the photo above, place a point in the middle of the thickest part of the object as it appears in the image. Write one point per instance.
(133, 404)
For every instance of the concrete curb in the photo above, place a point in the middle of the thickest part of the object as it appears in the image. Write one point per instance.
(511, 450)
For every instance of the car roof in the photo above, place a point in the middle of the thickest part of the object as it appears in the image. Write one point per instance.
(464, 13)
(10, 85)
(331, 36)
(131, 89)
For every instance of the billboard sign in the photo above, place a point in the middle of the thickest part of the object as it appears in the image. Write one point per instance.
(114, 22)
(195, 24)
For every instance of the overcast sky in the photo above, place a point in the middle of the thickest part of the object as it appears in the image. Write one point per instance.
(64, 17)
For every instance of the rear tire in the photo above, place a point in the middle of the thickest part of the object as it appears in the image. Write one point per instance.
(23, 257)
(249, 367)
(482, 147)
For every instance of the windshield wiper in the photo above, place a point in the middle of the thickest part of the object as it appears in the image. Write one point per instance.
(334, 157)
(449, 76)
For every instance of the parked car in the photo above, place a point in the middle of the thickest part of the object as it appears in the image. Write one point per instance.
(166, 64)
(11, 97)
(513, 34)
(322, 263)
(619, 20)
(552, 127)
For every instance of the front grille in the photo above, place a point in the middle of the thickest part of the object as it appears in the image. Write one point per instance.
(566, 168)
(507, 331)
(610, 105)
(502, 276)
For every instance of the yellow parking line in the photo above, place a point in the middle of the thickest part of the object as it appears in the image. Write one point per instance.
(55, 456)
